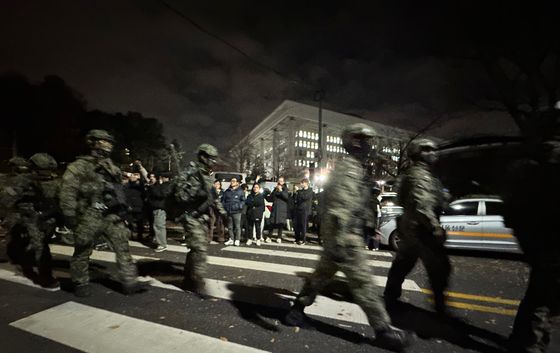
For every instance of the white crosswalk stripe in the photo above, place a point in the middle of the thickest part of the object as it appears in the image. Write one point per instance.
(229, 262)
(293, 255)
(323, 306)
(95, 330)
(319, 248)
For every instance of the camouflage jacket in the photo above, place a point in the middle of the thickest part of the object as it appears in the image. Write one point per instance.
(421, 196)
(192, 191)
(17, 197)
(346, 199)
(84, 183)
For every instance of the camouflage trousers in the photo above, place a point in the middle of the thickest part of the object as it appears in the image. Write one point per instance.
(28, 245)
(533, 324)
(432, 253)
(196, 237)
(351, 260)
(111, 227)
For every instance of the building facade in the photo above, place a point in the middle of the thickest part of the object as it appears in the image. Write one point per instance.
(288, 139)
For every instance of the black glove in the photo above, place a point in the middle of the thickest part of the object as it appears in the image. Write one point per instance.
(71, 222)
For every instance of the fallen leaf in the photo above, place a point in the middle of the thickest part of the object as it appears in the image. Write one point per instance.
(272, 340)
(162, 317)
(114, 327)
(296, 329)
(224, 338)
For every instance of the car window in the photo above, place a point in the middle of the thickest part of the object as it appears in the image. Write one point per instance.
(494, 208)
(388, 201)
(468, 208)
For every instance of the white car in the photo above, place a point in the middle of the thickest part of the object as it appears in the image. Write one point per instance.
(475, 223)
(388, 204)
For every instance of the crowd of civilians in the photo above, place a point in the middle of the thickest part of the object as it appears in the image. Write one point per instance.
(146, 195)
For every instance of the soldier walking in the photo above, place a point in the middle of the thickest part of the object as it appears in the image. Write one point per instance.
(342, 234)
(536, 229)
(31, 195)
(192, 190)
(421, 235)
(92, 201)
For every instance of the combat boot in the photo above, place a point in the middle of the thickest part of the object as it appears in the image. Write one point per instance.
(82, 291)
(393, 338)
(134, 287)
(296, 316)
(48, 281)
(197, 287)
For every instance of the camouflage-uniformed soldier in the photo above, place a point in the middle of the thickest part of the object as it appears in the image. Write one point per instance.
(92, 202)
(20, 219)
(47, 213)
(421, 195)
(192, 190)
(536, 229)
(342, 223)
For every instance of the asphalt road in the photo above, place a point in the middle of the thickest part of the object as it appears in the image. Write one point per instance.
(251, 289)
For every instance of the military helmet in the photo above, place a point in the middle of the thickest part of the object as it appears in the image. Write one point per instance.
(356, 130)
(208, 150)
(43, 161)
(18, 162)
(94, 135)
(417, 146)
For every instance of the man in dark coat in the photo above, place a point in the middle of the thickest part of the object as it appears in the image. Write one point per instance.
(279, 198)
(134, 192)
(157, 194)
(302, 204)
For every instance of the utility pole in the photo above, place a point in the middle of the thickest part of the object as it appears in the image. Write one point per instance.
(319, 96)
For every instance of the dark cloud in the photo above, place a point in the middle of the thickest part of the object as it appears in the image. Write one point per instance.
(137, 55)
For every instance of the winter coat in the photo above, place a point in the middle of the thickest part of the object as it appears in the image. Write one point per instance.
(233, 200)
(135, 197)
(303, 200)
(279, 201)
(255, 206)
(157, 195)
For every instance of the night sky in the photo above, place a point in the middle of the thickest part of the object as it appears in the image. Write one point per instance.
(388, 61)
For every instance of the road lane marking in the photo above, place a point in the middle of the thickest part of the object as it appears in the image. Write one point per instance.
(228, 262)
(96, 255)
(322, 307)
(293, 255)
(275, 268)
(320, 248)
(15, 277)
(481, 308)
(95, 330)
(481, 298)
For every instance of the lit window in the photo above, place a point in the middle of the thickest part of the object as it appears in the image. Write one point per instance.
(296, 144)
